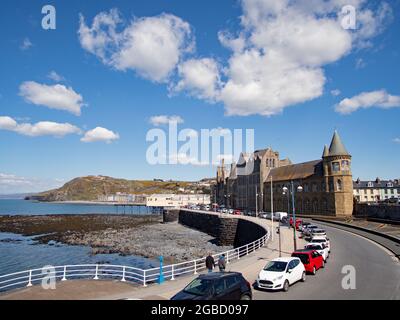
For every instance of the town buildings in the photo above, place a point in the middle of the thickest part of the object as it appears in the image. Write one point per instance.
(177, 200)
(376, 190)
(327, 182)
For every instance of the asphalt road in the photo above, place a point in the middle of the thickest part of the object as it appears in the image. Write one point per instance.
(377, 272)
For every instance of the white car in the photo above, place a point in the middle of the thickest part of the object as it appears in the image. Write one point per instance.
(308, 229)
(318, 232)
(322, 239)
(280, 273)
(230, 211)
(320, 247)
(280, 215)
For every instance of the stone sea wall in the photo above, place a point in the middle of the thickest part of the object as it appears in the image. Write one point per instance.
(227, 230)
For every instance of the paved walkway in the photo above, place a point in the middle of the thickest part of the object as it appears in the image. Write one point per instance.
(250, 266)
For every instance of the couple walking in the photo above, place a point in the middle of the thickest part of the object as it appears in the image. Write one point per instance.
(210, 263)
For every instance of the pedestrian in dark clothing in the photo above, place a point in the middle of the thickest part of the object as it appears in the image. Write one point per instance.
(221, 263)
(210, 263)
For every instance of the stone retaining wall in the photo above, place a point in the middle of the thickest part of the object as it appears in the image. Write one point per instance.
(228, 230)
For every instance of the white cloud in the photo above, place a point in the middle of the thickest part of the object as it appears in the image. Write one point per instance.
(42, 128)
(55, 76)
(199, 77)
(335, 92)
(380, 99)
(360, 63)
(11, 183)
(55, 96)
(26, 44)
(151, 46)
(100, 134)
(164, 119)
(396, 140)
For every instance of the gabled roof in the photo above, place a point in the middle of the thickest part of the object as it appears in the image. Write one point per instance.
(337, 148)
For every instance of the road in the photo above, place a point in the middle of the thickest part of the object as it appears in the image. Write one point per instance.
(377, 272)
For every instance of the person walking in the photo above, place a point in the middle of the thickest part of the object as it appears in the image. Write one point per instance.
(210, 263)
(222, 263)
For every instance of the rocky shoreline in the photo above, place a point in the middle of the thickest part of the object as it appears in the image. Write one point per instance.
(144, 236)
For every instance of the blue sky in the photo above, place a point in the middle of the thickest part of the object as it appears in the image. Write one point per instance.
(230, 64)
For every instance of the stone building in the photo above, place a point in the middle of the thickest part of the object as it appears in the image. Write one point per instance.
(327, 182)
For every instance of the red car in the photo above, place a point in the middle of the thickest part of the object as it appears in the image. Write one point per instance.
(237, 212)
(311, 260)
(298, 223)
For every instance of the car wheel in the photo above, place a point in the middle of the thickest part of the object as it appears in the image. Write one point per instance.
(303, 277)
(314, 271)
(286, 286)
(245, 297)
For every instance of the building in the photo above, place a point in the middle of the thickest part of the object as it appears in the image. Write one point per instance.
(377, 190)
(177, 200)
(244, 184)
(327, 182)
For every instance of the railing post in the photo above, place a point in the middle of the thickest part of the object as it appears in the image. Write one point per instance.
(247, 249)
(64, 278)
(123, 274)
(195, 267)
(144, 278)
(172, 273)
(30, 279)
(238, 251)
(96, 277)
(227, 257)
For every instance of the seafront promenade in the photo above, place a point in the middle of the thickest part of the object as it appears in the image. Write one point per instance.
(102, 289)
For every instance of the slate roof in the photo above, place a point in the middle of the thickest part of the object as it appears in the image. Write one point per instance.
(296, 171)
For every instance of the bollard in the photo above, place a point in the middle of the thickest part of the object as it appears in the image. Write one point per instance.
(161, 276)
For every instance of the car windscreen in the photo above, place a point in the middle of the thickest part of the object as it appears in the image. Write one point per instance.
(275, 266)
(318, 240)
(302, 256)
(313, 247)
(200, 287)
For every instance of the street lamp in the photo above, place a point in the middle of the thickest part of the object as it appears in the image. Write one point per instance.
(292, 191)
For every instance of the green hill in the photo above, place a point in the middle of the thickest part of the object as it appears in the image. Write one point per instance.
(91, 187)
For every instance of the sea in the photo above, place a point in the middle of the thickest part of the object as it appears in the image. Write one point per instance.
(19, 253)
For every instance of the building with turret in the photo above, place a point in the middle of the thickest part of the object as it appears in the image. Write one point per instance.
(327, 182)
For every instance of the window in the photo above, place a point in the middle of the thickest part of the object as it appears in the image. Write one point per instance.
(345, 165)
(389, 185)
(339, 185)
(370, 184)
(335, 166)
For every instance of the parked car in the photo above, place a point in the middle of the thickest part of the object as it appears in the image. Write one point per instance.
(280, 215)
(237, 212)
(318, 232)
(216, 286)
(311, 260)
(307, 230)
(280, 273)
(304, 225)
(230, 211)
(298, 222)
(321, 239)
(320, 247)
(265, 215)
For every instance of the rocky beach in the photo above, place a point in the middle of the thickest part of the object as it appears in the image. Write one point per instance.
(144, 236)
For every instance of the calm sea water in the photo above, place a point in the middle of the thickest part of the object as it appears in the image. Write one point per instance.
(23, 207)
(18, 253)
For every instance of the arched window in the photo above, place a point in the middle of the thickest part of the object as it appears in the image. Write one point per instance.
(339, 186)
(315, 206)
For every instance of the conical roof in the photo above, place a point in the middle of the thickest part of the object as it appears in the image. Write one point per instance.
(326, 152)
(337, 148)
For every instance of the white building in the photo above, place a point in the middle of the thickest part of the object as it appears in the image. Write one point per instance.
(176, 200)
(377, 190)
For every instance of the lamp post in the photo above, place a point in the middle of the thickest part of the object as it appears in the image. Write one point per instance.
(286, 190)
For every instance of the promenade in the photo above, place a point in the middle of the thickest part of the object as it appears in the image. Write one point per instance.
(249, 265)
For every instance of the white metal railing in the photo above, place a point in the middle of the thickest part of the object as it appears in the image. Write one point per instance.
(123, 273)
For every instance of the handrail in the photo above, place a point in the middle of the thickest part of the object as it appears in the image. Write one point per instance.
(124, 273)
